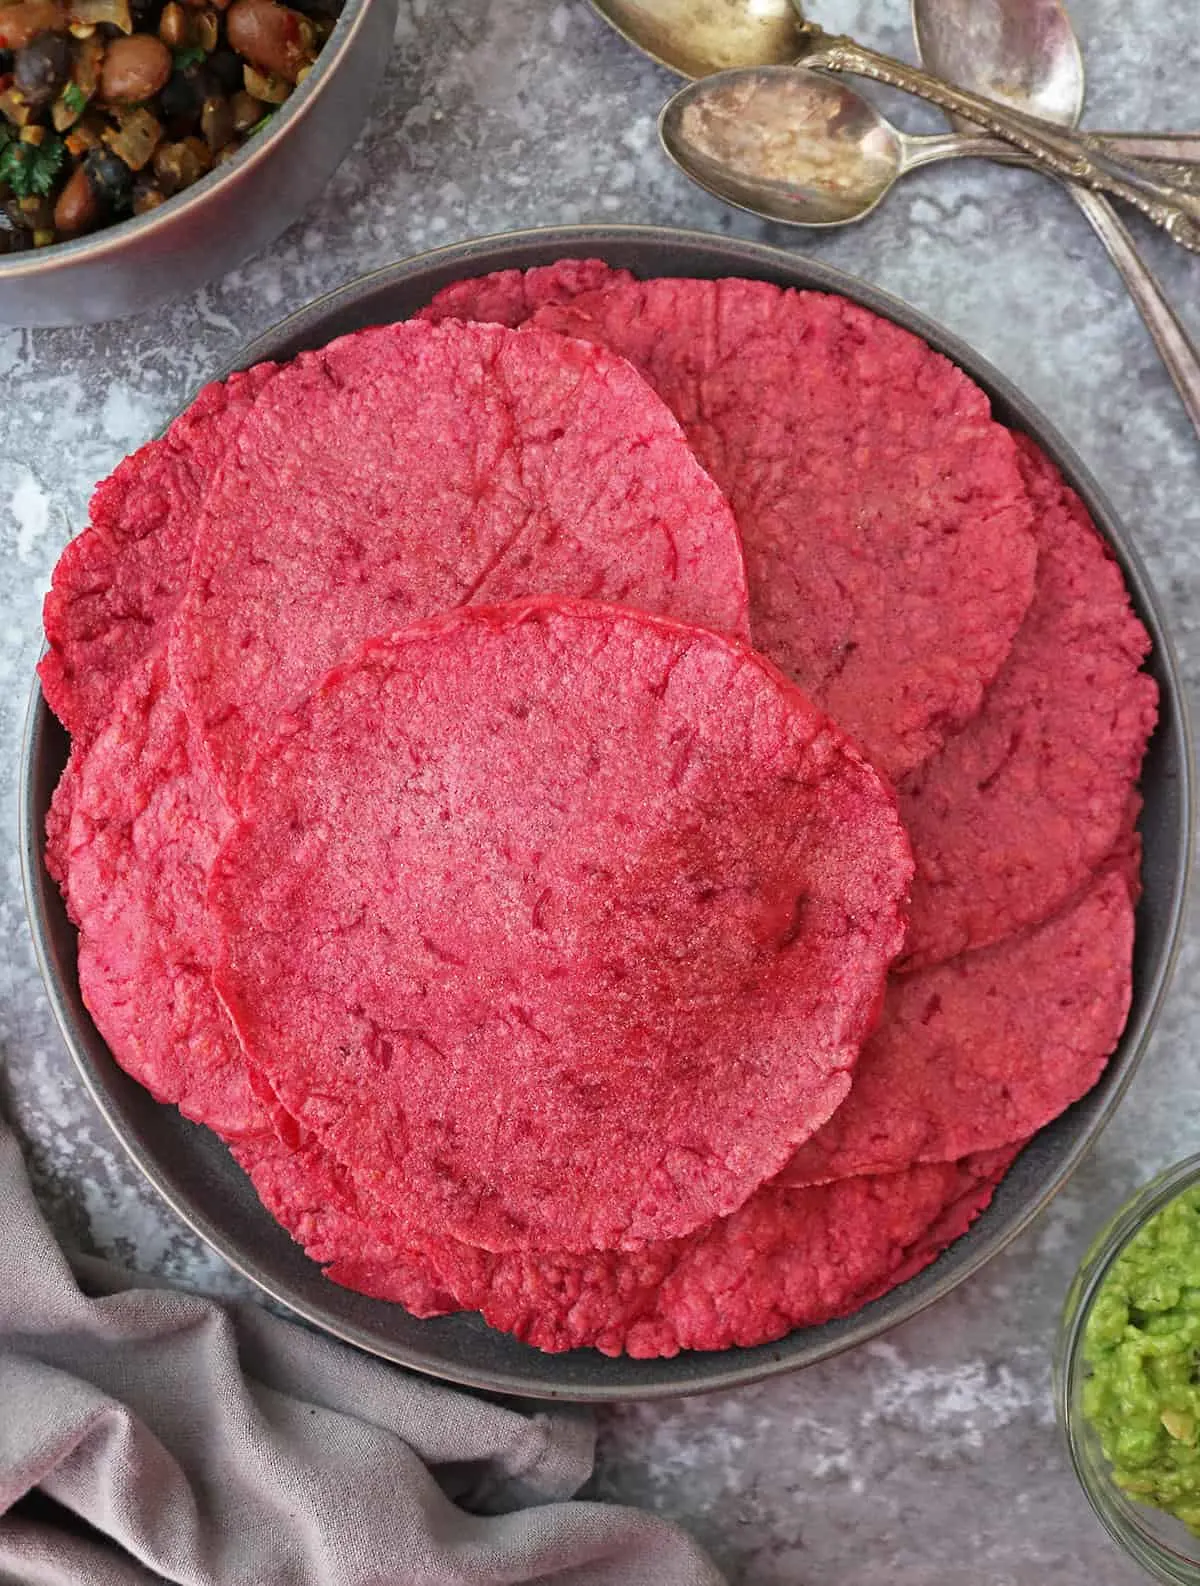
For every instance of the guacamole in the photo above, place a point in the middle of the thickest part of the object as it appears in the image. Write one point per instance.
(1142, 1343)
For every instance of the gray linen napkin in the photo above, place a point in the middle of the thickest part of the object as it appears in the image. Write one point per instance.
(149, 1433)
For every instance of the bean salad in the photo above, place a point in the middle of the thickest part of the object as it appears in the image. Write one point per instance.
(108, 108)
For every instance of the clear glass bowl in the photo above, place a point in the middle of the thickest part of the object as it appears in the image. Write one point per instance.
(1158, 1542)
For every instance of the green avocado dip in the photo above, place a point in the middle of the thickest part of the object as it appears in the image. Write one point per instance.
(1142, 1342)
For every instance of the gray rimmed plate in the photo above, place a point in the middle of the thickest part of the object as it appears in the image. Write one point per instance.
(192, 1170)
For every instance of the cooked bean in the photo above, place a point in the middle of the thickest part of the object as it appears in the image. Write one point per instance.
(21, 24)
(206, 30)
(272, 37)
(226, 69)
(182, 100)
(147, 195)
(247, 111)
(134, 69)
(78, 209)
(173, 25)
(216, 122)
(178, 165)
(42, 67)
(111, 179)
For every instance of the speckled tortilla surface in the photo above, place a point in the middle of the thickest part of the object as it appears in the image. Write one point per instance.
(409, 469)
(788, 1258)
(117, 584)
(984, 1050)
(144, 821)
(1018, 809)
(887, 530)
(612, 902)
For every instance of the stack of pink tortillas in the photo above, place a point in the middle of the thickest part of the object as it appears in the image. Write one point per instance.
(617, 799)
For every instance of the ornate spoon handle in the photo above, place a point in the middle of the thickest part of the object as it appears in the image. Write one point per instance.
(1172, 157)
(1075, 157)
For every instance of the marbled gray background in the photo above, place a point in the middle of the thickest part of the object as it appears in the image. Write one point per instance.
(930, 1458)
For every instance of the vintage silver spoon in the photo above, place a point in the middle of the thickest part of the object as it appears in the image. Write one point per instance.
(1025, 53)
(698, 37)
(1074, 156)
(809, 150)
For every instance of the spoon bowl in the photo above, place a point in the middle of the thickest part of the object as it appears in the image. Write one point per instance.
(1025, 56)
(808, 150)
(698, 37)
(784, 143)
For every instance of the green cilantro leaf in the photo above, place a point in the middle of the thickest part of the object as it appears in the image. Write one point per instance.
(189, 57)
(31, 169)
(259, 125)
(74, 98)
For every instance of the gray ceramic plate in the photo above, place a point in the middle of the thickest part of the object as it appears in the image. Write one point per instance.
(193, 1172)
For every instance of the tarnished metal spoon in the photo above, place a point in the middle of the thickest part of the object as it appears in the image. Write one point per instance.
(661, 27)
(698, 37)
(1025, 53)
(809, 150)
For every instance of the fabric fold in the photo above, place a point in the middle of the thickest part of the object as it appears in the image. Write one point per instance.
(220, 1445)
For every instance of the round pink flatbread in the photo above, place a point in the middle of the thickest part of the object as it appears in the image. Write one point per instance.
(986, 1049)
(146, 947)
(1017, 811)
(409, 469)
(559, 924)
(886, 527)
(510, 297)
(117, 584)
(786, 1259)
(143, 824)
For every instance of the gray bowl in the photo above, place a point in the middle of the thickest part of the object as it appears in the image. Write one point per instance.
(226, 217)
(194, 1173)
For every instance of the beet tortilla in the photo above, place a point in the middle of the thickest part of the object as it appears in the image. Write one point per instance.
(117, 584)
(613, 905)
(987, 1049)
(409, 469)
(1017, 811)
(134, 861)
(786, 1259)
(137, 836)
(153, 814)
(889, 550)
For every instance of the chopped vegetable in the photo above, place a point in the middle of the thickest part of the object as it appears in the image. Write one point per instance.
(15, 108)
(189, 57)
(115, 12)
(135, 139)
(74, 98)
(86, 134)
